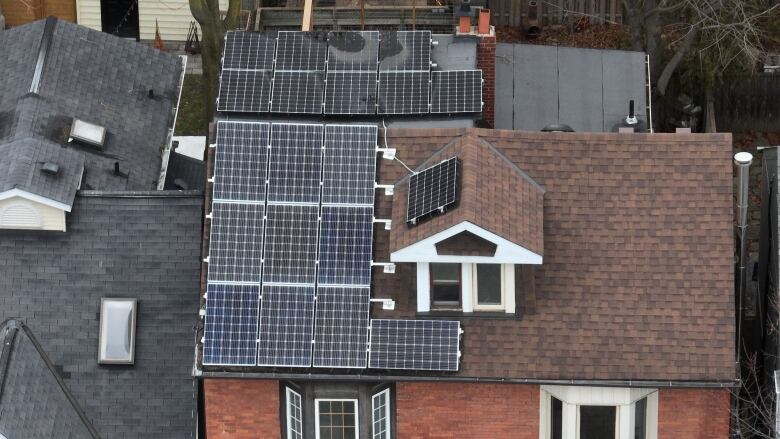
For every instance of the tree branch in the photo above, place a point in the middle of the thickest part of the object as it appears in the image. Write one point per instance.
(671, 66)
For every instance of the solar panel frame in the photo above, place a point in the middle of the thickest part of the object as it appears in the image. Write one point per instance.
(244, 91)
(403, 92)
(248, 51)
(456, 91)
(432, 345)
(286, 326)
(341, 327)
(349, 164)
(241, 161)
(353, 51)
(236, 242)
(432, 189)
(230, 325)
(345, 250)
(301, 51)
(300, 147)
(350, 93)
(405, 51)
(290, 248)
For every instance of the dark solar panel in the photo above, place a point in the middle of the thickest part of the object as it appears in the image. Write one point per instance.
(345, 245)
(248, 51)
(350, 93)
(353, 51)
(341, 329)
(405, 51)
(298, 92)
(290, 244)
(241, 162)
(350, 164)
(230, 334)
(456, 91)
(236, 242)
(301, 51)
(414, 344)
(295, 163)
(244, 91)
(432, 189)
(403, 92)
(286, 326)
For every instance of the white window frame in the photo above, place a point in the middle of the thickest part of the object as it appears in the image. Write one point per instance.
(507, 290)
(468, 288)
(385, 395)
(317, 415)
(291, 395)
(622, 398)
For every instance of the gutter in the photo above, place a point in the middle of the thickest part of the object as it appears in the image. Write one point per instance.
(166, 154)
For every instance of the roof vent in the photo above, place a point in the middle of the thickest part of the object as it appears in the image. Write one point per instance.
(558, 128)
(88, 133)
(50, 168)
(631, 119)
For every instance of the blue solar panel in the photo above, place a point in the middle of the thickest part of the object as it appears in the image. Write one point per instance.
(345, 245)
(230, 337)
(290, 244)
(341, 329)
(415, 344)
(286, 325)
(296, 163)
(350, 164)
(241, 162)
(236, 243)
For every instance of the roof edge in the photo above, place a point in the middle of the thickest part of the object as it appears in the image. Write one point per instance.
(192, 193)
(16, 192)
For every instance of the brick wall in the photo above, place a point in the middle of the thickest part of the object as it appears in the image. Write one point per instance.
(241, 409)
(486, 60)
(449, 410)
(693, 413)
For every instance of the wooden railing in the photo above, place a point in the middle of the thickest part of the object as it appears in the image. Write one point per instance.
(512, 12)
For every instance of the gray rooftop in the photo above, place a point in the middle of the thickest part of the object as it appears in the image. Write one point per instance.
(587, 89)
(144, 245)
(92, 76)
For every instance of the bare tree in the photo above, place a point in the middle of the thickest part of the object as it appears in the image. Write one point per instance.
(754, 408)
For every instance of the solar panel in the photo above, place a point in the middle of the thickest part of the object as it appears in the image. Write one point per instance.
(241, 162)
(353, 51)
(286, 326)
(345, 245)
(244, 91)
(298, 92)
(414, 344)
(301, 51)
(341, 327)
(295, 163)
(405, 51)
(290, 244)
(248, 51)
(349, 170)
(432, 189)
(350, 93)
(236, 242)
(403, 92)
(230, 334)
(456, 91)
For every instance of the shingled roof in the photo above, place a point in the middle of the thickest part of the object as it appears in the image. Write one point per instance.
(637, 278)
(54, 71)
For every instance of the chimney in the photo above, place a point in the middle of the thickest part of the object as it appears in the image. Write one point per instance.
(742, 160)
(464, 14)
(532, 28)
(486, 61)
(484, 22)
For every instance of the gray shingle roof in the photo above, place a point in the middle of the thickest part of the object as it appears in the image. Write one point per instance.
(134, 244)
(95, 77)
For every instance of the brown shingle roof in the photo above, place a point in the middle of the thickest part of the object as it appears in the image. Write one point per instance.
(637, 279)
(494, 194)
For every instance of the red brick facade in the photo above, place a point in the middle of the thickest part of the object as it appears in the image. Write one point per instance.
(693, 413)
(486, 60)
(241, 409)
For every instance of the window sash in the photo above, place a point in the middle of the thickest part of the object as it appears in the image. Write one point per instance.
(475, 289)
(380, 408)
(294, 415)
(445, 283)
(317, 426)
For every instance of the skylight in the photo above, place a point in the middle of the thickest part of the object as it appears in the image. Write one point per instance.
(117, 331)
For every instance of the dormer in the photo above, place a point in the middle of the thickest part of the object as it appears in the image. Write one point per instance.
(470, 248)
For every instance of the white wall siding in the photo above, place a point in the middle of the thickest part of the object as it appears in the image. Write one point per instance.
(20, 213)
(173, 17)
(88, 14)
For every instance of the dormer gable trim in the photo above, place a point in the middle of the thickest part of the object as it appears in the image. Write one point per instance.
(35, 198)
(507, 252)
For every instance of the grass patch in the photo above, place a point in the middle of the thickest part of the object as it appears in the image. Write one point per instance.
(191, 120)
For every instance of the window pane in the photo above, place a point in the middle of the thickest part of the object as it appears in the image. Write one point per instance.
(445, 272)
(337, 419)
(489, 284)
(445, 284)
(294, 416)
(446, 294)
(381, 419)
(640, 416)
(556, 428)
(597, 422)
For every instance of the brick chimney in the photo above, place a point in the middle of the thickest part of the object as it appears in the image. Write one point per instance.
(486, 60)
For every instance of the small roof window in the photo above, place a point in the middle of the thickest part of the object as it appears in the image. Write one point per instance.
(117, 331)
(89, 133)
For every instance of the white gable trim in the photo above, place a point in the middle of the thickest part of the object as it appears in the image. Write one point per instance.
(36, 198)
(507, 252)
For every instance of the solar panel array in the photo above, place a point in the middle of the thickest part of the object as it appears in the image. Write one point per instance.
(340, 73)
(432, 189)
(414, 344)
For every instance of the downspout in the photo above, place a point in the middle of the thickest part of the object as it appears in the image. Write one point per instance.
(742, 160)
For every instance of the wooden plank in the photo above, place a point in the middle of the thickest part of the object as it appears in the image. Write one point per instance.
(307, 7)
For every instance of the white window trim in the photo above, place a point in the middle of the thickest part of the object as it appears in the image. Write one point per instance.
(468, 289)
(384, 394)
(290, 393)
(507, 290)
(317, 415)
(623, 398)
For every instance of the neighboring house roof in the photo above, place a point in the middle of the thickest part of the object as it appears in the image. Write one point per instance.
(185, 173)
(143, 245)
(637, 279)
(494, 194)
(34, 400)
(587, 89)
(54, 71)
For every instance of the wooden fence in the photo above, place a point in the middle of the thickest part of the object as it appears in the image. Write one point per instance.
(512, 12)
(749, 104)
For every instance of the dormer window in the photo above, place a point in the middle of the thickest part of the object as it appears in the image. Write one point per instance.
(466, 287)
(445, 286)
(488, 287)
